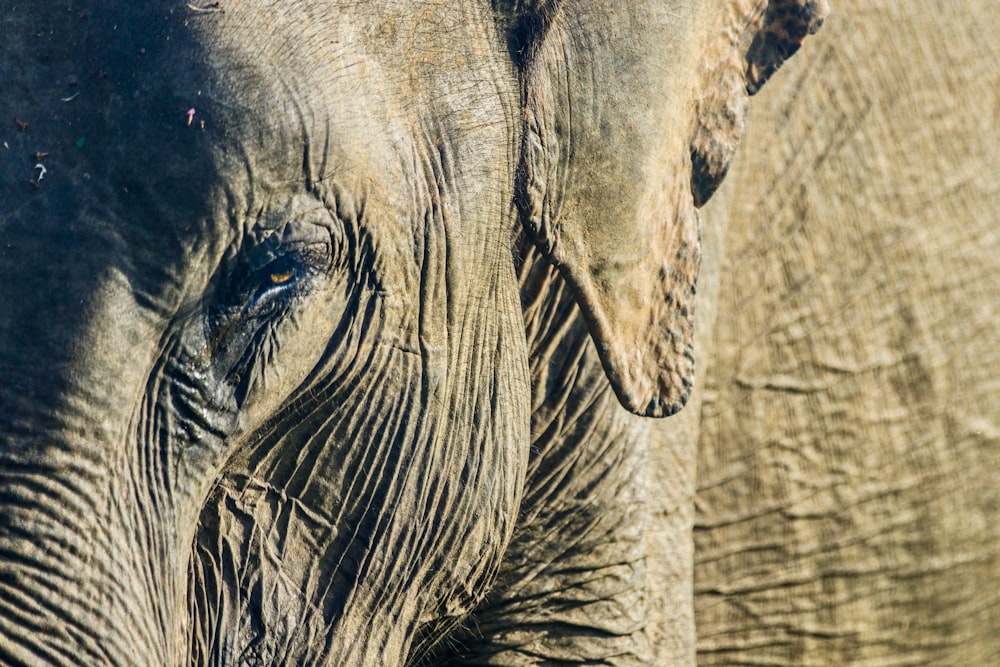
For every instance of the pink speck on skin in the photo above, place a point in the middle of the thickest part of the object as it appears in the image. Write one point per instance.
(190, 115)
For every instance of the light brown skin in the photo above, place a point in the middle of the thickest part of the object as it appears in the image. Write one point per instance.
(313, 383)
(849, 442)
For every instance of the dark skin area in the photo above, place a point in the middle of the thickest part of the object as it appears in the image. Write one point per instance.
(298, 368)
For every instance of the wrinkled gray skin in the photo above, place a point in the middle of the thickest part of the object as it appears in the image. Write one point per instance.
(304, 375)
(849, 423)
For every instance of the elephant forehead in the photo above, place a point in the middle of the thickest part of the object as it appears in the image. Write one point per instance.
(369, 101)
(361, 90)
(194, 128)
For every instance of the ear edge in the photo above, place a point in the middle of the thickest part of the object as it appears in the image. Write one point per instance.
(647, 354)
(786, 25)
(651, 371)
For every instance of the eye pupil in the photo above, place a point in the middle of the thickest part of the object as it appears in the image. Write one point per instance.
(281, 278)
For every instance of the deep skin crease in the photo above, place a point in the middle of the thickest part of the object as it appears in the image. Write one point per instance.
(298, 368)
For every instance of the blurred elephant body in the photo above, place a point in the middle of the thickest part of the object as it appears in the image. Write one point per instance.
(849, 424)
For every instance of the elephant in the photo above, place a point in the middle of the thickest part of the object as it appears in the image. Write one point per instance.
(334, 331)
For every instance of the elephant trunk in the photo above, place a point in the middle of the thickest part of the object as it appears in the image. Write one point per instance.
(63, 589)
(84, 569)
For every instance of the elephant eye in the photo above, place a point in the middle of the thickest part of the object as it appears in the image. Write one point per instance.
(281, 278)
(282, 275)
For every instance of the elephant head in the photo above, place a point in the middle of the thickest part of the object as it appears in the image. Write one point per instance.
(264, 391)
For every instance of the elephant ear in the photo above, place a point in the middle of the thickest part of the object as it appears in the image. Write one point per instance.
(756, 42)
(786, 24)
(607, 186)
(603, 191)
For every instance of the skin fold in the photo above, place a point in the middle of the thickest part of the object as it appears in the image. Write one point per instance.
(322, 320)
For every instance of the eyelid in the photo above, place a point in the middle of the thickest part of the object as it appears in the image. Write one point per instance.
(293, 263)
(281, 264)
(283, 271)
(274, 269)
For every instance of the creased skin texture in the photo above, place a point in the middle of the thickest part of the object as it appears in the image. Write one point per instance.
(850, 446)
(572, 589)
(248, 400)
